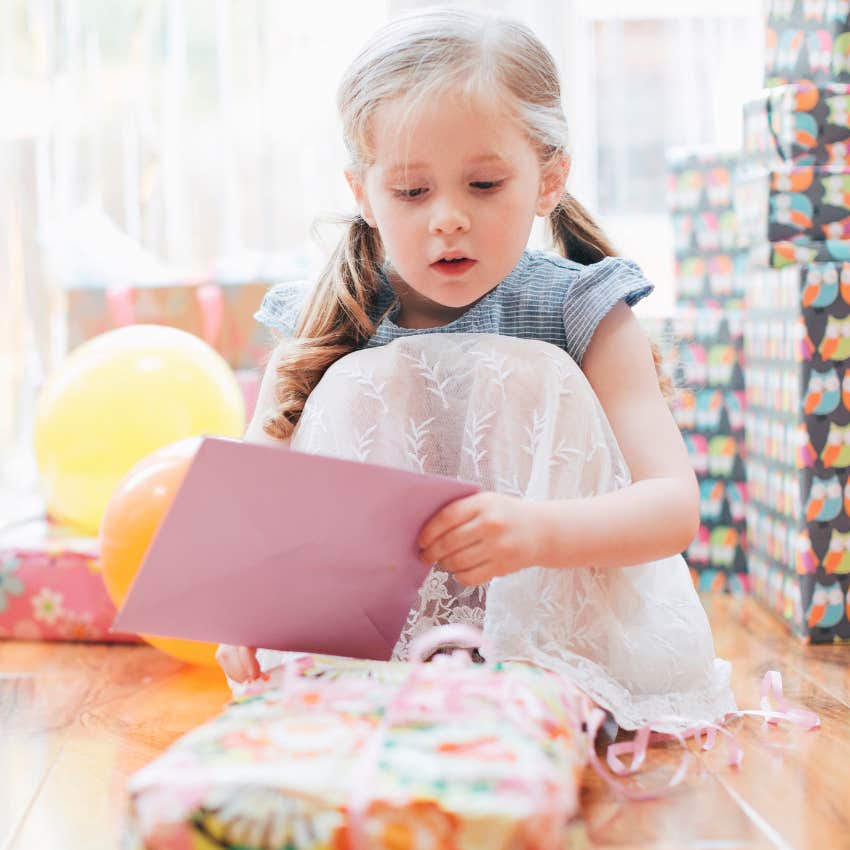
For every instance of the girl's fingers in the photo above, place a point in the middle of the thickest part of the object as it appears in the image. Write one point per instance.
(238, 662)
(467, 558)
(474, 576)
(459, 539)
(457, 513)
(248, 658)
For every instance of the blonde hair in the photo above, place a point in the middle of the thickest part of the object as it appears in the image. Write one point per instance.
(422, 54)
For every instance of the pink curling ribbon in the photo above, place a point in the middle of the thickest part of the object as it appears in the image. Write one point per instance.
(705, 735)
(526, 711)
(432, 704)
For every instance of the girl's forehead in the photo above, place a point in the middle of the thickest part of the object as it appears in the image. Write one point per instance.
(410, 135)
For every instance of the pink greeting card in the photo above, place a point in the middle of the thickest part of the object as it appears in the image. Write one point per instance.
(270, 547)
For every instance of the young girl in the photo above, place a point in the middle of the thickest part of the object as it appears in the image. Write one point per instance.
(435, 340)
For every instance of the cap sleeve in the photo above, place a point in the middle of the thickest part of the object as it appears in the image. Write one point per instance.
(594, 292)
(281, 306)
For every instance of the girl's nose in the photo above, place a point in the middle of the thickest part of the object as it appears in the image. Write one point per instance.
(448, 218)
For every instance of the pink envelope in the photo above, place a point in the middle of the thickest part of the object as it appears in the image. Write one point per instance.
(270, 547)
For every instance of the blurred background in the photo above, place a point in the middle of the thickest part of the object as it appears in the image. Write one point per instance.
(151, 142)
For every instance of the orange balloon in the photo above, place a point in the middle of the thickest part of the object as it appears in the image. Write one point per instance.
(131, 518)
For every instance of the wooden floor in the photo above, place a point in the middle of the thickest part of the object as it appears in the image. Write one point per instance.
(76, 721)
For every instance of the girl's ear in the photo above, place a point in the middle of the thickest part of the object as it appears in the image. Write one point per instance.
(552, 186)
(359, 192)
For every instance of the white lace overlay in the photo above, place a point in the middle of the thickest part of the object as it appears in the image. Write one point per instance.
(519, 417)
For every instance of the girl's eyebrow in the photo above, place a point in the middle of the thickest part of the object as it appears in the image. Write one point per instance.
(399, 169)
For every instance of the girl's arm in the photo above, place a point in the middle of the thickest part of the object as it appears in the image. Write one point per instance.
(239, 663)
(658, 514)
(266, 401)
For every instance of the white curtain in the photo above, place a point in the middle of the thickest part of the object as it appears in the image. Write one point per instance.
(171, 139)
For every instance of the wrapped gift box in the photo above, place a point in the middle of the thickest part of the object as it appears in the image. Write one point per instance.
(709, 261)
(788, 204)
(703, 354)
(713, 276)
(799, 125)
(710, 416)
(51, 587)
(375, 754)
(797, 343)
(778, 255)
(807, 40)
(221, 314)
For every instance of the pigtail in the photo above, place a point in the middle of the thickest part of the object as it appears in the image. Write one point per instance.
(334, 322)
(578, 237)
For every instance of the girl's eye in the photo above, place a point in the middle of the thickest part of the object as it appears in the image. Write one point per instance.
(487, 184)
(408, 194)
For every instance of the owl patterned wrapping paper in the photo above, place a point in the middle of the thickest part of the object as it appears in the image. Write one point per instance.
(789, 204)
(702, 350)
(799, 125)
(807, 40)
(385, 755)
(797, 356)
(709, 263)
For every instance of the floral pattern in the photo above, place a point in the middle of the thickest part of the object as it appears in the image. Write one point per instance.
(336, 754)
(51, 586)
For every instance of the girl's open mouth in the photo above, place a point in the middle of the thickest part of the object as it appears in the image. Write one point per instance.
(452, 267)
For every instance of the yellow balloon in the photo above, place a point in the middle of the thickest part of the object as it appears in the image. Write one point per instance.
(116, 399)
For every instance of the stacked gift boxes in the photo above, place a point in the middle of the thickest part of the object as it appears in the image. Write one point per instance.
(707, 330)
(798, 412)
(795, 168)
(808, 40)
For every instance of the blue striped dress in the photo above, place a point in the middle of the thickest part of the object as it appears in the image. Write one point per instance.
(545, 297)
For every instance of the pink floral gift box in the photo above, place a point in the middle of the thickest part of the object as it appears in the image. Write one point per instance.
(335, 754)
(51, 587)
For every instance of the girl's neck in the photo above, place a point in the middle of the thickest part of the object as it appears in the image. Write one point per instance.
(418, 311)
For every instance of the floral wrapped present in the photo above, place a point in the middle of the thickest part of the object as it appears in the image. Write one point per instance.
(337, 754)
(51, 587)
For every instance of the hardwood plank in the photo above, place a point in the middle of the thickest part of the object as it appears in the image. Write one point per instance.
(793, 782)
(130, 704)
(35, 710)
(79, 720)
(827, 665)
(749, 807)
(697, 814)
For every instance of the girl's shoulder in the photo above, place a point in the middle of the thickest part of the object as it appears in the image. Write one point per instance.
(545, 269)
(563, 301)
(281, 306)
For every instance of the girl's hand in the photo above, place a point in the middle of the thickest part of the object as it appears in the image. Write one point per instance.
(238, 662)
(481, 536)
